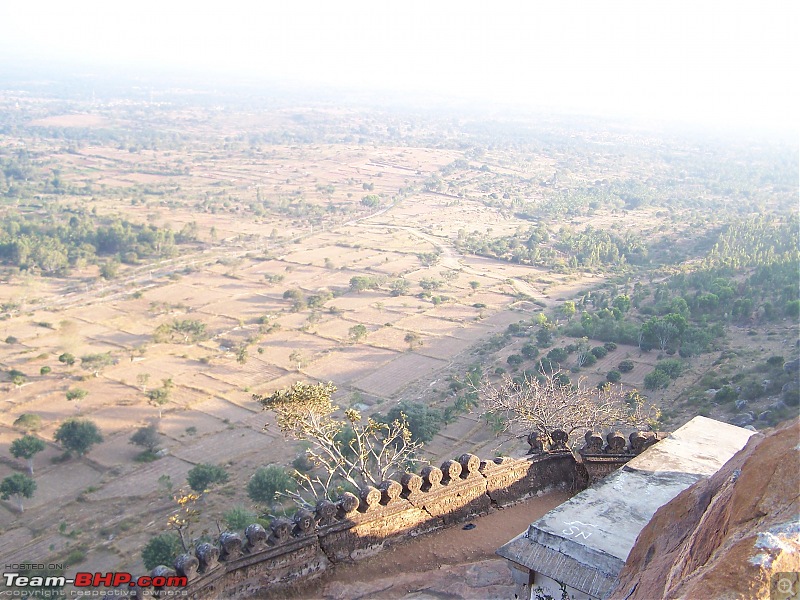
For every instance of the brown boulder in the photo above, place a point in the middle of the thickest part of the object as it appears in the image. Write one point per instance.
(725, 536)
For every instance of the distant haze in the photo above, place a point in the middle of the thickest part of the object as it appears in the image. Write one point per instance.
(718, 63)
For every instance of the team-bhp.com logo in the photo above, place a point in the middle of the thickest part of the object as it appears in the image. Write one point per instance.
(93, 580)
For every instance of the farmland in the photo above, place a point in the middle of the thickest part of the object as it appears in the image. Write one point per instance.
(254, 234)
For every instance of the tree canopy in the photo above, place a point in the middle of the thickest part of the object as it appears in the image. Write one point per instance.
(78, 435)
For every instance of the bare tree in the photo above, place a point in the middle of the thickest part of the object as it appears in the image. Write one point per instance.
(352, 450)
(548, 403)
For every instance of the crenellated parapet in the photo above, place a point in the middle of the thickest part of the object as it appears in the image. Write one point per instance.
(356, 526)
(602, 457)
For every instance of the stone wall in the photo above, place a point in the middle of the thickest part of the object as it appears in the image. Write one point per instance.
(355, 527)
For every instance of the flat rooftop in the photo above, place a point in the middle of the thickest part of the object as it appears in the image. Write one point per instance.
(584, 542)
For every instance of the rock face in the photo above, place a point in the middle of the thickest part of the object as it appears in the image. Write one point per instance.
(725, 536)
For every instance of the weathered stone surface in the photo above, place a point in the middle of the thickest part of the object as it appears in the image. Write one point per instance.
(304, 523)
(347, 505)
(325, 511)
(594, 443)
(187, 565)
(208, 555)
(230, 545)
(451, 471)
(431, 478)
(370, 498)
(256, 537)
(615, 443)
(727, 535)
(470, 465)
(280, 529)
(390, 491)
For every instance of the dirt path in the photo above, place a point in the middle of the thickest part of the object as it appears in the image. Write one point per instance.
(427, 566)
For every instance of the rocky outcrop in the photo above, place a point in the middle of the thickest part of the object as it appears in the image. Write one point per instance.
(725, 536)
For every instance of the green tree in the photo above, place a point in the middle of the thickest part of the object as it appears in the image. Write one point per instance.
(161, 550)
(412, 339)
(96, 362)
(146, 437)
(544, 337)
(201, 477)
(78, 435)
(27, 447)
(267, 483)
(656, 380)
(238, 518)
(357, 333)
(423, 422)
(399, 287)
(241, 354)
(67, 358)
(109, 269)
(76, 394)
(19, 486)
(568, 309)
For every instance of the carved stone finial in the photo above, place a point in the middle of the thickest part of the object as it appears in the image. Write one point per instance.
(535, 442)
(470, 465)
(208, 555)
(161, 571)
(370, 498)
(348, 504)
(594, 443)
(451, 471)
(615, 443)
(559, 437)
(325, 512)
(230, 545)
(256, 537)
(390, 491)
(432, 477)
(641, 440)
(281, 529)
(411, 482)
(186, 565)
(303, 522)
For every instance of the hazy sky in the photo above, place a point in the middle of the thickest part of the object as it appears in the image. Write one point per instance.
(730, 62)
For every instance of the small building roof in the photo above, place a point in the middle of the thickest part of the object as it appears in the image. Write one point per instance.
(585, 541)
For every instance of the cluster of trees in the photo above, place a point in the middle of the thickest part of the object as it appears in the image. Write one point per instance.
(182, 331)
(54, 246)
(570, 249)
(74, 435)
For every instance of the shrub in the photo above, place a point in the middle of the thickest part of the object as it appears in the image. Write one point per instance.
(161, 550)
(726, 394)
(610, 346)
(671, 366)
(656, 380)
(204, 475)
(626, 366)
(599, 351)
(267, 482)
(558, 355)
(613, 376)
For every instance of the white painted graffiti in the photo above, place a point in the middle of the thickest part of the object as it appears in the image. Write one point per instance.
(576, 529)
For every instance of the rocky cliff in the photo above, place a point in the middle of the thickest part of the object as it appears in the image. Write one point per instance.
(725, 536)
